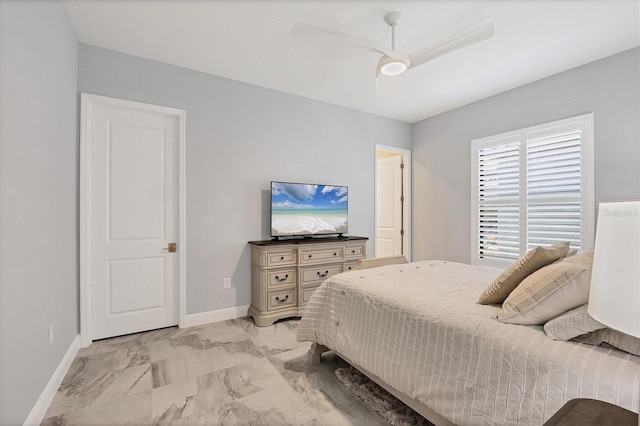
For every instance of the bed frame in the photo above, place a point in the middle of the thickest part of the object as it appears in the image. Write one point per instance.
(378, 261)
(314, 358)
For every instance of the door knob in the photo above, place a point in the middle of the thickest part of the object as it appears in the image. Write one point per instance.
(172, 248)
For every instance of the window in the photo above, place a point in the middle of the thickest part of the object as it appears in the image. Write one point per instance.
(532, 187)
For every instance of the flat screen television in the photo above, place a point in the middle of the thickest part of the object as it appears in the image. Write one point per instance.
(300, 209)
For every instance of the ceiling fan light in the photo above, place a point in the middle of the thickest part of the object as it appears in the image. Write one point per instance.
(392, 66)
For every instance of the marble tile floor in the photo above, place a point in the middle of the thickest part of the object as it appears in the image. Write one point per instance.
(230, 372)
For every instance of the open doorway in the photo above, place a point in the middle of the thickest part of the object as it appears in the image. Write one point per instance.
(393, 203)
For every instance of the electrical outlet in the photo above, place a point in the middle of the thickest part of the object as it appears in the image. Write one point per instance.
(227, 283)
(51, 335)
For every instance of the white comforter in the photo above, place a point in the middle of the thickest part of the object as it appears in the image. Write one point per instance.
(418, 327)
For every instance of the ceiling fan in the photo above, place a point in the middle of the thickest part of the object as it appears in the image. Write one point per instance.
(395, 62)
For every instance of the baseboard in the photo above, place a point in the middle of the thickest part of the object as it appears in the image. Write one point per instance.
(215, 316)
(42, 404)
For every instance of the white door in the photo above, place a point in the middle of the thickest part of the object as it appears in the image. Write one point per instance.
(133, 203)
(389, 212)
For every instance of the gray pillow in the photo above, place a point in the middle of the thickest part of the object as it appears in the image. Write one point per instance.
(614, 338)
(573, 323)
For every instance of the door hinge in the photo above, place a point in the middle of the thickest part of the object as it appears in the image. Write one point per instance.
(402, 232)
(402, 198)
(402, 165)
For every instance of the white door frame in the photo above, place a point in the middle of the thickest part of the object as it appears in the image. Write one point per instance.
(87, 102)
(406, 160)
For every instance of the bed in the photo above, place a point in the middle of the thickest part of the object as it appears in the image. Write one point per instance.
(418, 331)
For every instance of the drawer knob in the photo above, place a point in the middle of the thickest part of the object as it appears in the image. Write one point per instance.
(335, 254)
(309, 256)
(353, 251)
(350, 267)
(281, 257)
(323, 275)
(282, 300)
(282, 279)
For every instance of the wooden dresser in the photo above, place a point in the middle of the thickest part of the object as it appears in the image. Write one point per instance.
(285, 273)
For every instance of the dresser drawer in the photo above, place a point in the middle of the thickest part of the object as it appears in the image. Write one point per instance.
(313, 275)
(282, 299)
(305, 294)
(281, 258)
(354, 252)
(325, 254)
(268, 257)
(277, 278)
(349, 265)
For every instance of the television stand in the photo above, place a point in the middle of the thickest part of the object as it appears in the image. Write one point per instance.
(285, 273)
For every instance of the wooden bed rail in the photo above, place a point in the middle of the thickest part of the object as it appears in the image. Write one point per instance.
(378, 261)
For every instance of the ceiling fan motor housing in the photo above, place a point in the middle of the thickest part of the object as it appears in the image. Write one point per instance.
(392, 18)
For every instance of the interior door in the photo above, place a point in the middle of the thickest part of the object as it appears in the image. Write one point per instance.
(133, 278)
(389, 213)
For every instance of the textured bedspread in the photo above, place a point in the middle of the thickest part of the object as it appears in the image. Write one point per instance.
(418, 327)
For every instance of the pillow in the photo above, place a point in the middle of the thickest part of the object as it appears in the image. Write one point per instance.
(585, 258)
(575, 322)
(509, 279)
(547, 293)
(614, 338)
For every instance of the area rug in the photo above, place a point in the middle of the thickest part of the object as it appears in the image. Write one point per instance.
(379, 400)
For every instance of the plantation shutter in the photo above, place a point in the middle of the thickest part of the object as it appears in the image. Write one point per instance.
(554, 189)
(533, 187)
(498, 201)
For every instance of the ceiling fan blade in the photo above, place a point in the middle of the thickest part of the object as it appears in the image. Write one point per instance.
(383, 89)
(479, 31)
(325, 38)
(378, 85)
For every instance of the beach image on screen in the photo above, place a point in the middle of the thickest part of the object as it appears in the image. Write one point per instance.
(300, 209)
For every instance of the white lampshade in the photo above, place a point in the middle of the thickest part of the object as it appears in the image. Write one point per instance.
(614, 298)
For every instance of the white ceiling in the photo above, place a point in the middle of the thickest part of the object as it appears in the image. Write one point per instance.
(268, 43)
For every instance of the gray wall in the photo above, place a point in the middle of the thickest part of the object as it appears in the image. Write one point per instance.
(610, 88)
(38, 193)
(239, 138)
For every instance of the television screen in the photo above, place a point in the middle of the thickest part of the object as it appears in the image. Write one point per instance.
(303, 209)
